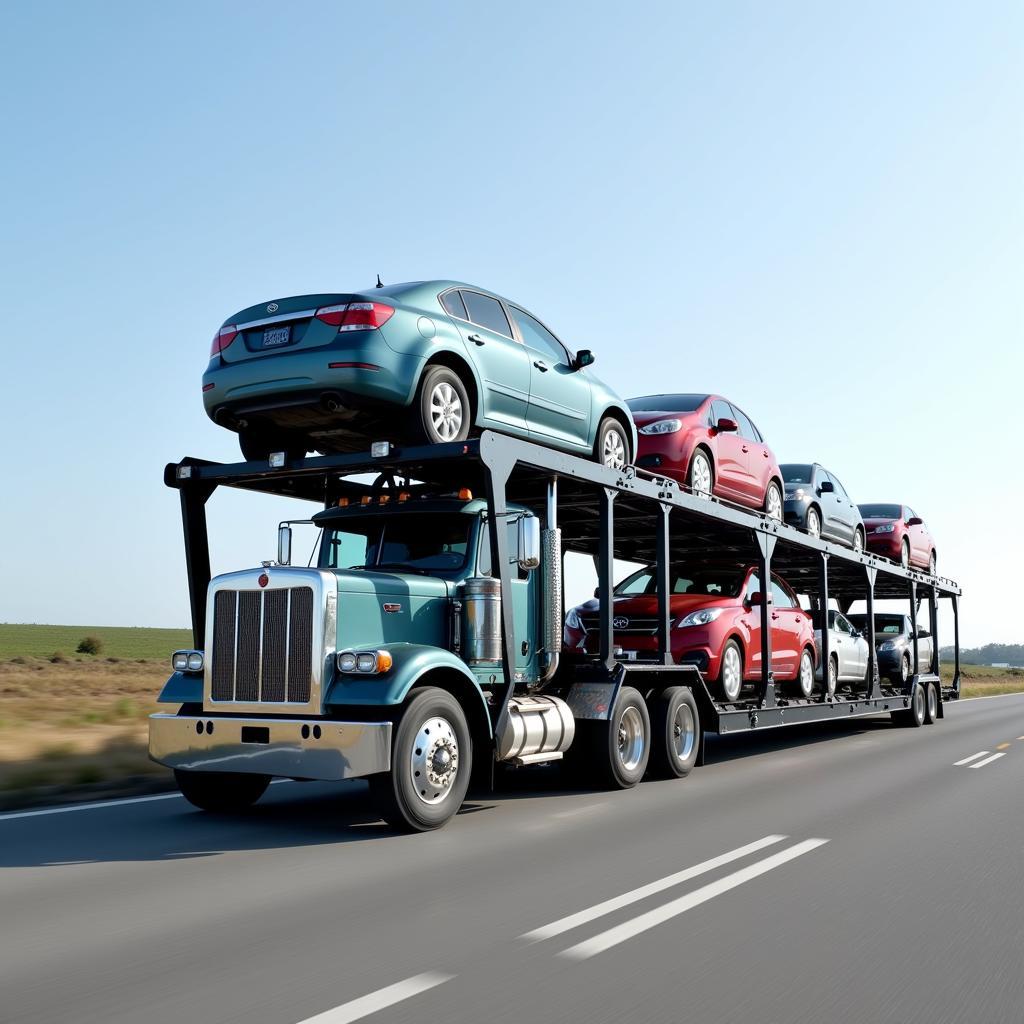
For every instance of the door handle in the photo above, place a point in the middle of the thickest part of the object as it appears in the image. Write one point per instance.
(540, 366)
(476, 339)
(765, 454)
(744, 449)
(775, 615)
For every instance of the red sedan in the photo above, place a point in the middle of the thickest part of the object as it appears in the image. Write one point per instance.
(899, 533)
(715, 624)
(709, 445)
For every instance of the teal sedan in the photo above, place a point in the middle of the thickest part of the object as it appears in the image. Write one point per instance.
(429, 361)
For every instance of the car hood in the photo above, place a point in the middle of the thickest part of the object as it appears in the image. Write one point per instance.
(647, 604)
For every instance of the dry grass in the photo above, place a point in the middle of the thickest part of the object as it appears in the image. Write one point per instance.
(983, 681)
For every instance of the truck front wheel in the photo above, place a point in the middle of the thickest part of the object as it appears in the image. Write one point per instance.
(431, 761)
(221, 791)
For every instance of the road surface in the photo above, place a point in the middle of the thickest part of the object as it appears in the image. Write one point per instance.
(855, 872)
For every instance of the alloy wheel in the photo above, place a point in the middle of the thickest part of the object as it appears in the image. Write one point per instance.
(773, 502)
(445, 411)
(858, 541)
(631, 739)
(806, 675)
(684, 732)
(813, 523)
(613, 451)
(700, 476)
(731, 673)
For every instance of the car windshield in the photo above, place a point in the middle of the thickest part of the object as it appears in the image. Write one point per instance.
(880, 511)
(797, 474)
(713, 583)
(890, 624)
(416, 543)
(667, 403)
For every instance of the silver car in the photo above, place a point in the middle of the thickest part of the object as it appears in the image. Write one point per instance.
(848, 650)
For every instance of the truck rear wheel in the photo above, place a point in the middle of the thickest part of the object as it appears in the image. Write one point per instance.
(221, 791)
(675, 731)
(931, 704)
(431, 762)
(616, 752)
(914, 716)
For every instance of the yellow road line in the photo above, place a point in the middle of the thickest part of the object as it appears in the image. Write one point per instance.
(1002, 746)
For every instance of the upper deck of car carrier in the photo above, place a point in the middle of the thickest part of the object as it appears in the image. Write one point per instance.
(627, 514)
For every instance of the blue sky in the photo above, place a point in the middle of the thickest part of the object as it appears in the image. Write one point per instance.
(815, 209)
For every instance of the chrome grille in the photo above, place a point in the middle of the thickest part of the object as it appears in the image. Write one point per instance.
(262, 646)
(639, 625)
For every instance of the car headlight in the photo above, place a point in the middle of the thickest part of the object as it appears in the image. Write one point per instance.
(662, 427)
(885, 528)
(888, 645)
(701, 617)
(187, 661)
(572, 620)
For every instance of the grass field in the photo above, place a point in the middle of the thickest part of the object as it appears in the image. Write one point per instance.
(32, 641)
(70, 722)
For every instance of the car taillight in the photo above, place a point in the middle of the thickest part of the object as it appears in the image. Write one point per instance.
(356, 316)
(223, 338)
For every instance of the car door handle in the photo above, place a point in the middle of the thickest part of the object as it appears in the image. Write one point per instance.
(543, 367)
(744, 448)
(775, 615)
(476, 339)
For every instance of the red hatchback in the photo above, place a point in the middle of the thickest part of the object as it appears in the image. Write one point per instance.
(715, 624)
(710, 446)
(899, 533)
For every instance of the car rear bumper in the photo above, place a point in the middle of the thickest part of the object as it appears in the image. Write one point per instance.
(271, 746)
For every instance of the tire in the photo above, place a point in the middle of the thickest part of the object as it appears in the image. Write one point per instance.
(730, 673)
(701, 475)
(616, 752)
(431, 762)
(611, 448)
(812, 524)
(905, 553)
(221, 792)
(675, 732)
(443, 411)
(903, 675)
(931, 704)
(773, 501)
(932, 563)
(803, 685)
(832, 676)
(914, 716)
(858, 539)
(256, 447)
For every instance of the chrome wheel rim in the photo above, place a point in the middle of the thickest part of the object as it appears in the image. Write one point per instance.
(731, 673)
(700, 476)
(813, 523)
(445, 411)
(858, 541)
(773, 503)
(630, 739)
(933, 703)
(905, 669)
(806, 675)
(931, 564)
(919, 704)
(833, 675)
(904, 554)
(613, 451)
(434, 760)
(684, 732)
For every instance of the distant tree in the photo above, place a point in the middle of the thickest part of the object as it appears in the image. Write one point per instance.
(989, 654)
(89, 645)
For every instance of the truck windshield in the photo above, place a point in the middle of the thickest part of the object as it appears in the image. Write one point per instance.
(418, 544)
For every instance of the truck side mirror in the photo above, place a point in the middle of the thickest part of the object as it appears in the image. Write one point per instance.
(583, 358)
(528, 543)
(284, 545)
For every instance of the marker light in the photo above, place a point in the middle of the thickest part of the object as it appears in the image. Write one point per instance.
(465, 494)
(343, 503)
(277, 459)
(380, 449)
(183, 472)
(365, 500)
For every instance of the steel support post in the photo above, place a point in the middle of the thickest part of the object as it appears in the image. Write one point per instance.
(605, 575)
(933, 619)
(915, 664)
(498, 472)
(765, 547)
(197, 554)
(956, 643)
(874, 689)
(664, 586)
(826, 644)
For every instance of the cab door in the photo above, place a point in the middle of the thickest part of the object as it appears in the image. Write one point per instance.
(560, 398)
(501, 361)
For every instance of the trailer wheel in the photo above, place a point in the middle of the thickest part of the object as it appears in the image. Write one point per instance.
(914, 716)
(221, 791)
(431, 762)
(931, 704)
(675, 732)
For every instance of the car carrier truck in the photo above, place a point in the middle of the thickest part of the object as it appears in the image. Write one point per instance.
(424, 645)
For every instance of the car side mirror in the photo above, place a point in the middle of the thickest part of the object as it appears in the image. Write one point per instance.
(284, 545)
(755, 599)
(583, 358)
(528, 543)
(827, 487)
(915, 521)
(726, 426)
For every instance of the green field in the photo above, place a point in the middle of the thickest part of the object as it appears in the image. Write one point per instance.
(124, 642)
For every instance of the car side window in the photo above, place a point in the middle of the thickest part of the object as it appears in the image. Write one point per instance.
(487, 312)
(746, 427)
(753, 584)
(840, 490)
(538, 337)
(908, 513)
(842, 624)
(780, 596)
(453, 304)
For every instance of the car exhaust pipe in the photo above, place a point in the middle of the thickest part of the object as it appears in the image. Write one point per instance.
(331, 402)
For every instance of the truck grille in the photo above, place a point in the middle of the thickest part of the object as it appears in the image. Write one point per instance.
(262, 646)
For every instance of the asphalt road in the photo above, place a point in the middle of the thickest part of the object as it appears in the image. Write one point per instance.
(844, 873)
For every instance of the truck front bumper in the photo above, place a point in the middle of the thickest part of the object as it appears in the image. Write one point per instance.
(288, 747)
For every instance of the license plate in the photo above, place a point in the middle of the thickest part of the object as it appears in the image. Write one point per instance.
(276, 336)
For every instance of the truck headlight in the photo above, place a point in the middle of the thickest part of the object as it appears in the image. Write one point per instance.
(365, 662)
(187, 661)
(346, 662)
